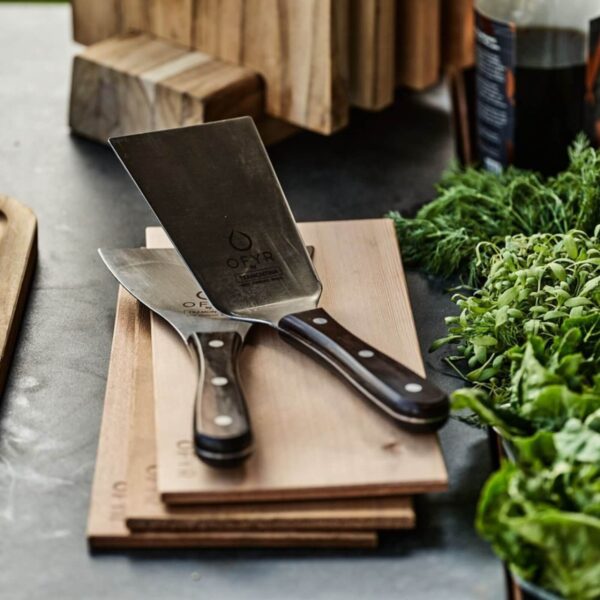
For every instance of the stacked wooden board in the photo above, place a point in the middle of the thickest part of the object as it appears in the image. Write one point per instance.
(311, 59)
(328, 469)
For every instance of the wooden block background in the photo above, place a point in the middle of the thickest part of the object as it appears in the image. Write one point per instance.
(372, 53)
(134, 83)
(458, 34)
(299, 47)
(418, 43)
(95, 20)
(127, 377)
(18, 253)
(315, 436)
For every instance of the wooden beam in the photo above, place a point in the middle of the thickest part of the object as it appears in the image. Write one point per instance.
(458, 34)
(372, 53)
(95, 20)
(299, 47)
(418, 52)
(134, 83)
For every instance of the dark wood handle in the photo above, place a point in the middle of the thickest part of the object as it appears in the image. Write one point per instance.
(222, 432)
(415, 403)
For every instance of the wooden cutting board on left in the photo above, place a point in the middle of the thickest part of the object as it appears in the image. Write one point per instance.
(18, 252)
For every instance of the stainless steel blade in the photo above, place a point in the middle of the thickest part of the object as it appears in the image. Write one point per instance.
(214, 189)
(159, 279)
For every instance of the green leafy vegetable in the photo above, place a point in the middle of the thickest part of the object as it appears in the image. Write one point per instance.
(542, 513)
(529, 338)
(476, 206)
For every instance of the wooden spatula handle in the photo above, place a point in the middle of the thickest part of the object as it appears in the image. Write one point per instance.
(222, 432)
(413, 402)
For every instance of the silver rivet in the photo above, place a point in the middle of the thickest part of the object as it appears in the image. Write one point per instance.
(219, 381)
(216, 343)
(413, 387)
(366, 354)
(319, 321)
(223, 420)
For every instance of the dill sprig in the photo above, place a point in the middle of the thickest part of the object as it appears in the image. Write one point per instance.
(473, 206)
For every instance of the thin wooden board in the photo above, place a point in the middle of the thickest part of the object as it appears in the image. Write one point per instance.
(418, 43)
(95, 20)
(315, 436)
(300, 48)
(458, 34)
(145, 511)
(130, 357)
(372, 53)
(134, 83)
(18, 253)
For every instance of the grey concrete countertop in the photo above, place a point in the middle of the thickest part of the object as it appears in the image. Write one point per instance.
(50, 413)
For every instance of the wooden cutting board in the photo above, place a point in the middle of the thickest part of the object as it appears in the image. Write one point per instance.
(127, 378)
(315, 436)
(18, 253)
(145, 511)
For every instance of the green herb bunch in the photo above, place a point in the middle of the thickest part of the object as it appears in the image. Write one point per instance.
(529, 337)
(528, 340)
(474, 206)
(542, 512)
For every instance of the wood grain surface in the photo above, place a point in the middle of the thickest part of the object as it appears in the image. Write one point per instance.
(94, 21)
(129, 378)
(18, 253)
(146, 512)
(458, 34)
(134, 83)
(372, 53)
(300, 48)
(418, 43)
(315, 436)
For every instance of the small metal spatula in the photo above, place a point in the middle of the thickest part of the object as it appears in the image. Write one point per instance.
(217, 196)
(160, 280)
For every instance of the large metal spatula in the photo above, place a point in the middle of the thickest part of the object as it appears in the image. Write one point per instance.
(159, 279)
(216, 194)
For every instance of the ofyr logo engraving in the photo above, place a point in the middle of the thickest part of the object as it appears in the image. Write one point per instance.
(240, 241)
(243, 243)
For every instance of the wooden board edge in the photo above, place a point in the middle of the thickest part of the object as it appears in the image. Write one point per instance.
(29, 259)
(229, 539)
(299, 494)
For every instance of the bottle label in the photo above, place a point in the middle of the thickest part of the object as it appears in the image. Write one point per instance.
(495, 84)
(592, 84)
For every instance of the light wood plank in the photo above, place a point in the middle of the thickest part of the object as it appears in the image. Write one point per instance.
(372, 53)
(418, 41)
(128, 375)
(300, 48)
(145, 511)
(458, 34)
(134, 83)
(172, 20)
(95, 20)
(315, 437)
(18, 254)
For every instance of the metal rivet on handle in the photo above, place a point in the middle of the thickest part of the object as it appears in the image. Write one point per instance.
(223, 420)
(216, 343)
(413, 387)
(366, 354)
(219, 381)
(319, 321)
